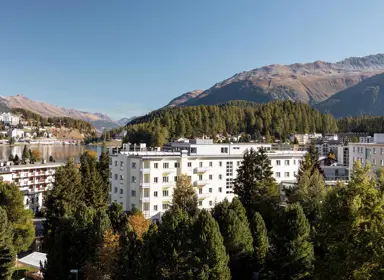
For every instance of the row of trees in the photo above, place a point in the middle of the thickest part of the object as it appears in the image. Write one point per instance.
(38, 120)
(309, 232)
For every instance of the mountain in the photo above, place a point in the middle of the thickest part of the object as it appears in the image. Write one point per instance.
(185, 97)
(99, 121)
(310, 82)
(125, 121)
(364, 99)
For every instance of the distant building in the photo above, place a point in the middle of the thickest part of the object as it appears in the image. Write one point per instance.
(325, 146)
(9, 119)
(16, 133)
(34, 180)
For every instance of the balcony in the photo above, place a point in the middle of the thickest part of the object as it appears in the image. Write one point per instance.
(203, 196)
(167, 170)
(145, 184)
(145, 170)
(145, 199)
(201, 183)
(201, 169)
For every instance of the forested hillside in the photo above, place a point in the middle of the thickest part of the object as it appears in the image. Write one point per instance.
(36, 119)
(276, 119)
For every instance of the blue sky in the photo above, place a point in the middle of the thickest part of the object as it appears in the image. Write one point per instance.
(126, 57)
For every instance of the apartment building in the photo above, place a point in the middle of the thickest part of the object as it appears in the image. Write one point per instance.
(368, 151)
(145, 179)
(9, 119)
(33, 179)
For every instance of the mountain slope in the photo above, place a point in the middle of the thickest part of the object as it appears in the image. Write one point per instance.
(365, 98)
(184, 97)
(125, 121)
(311, 82)
(98, 120)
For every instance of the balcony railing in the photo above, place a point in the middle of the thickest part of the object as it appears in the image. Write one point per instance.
(145, 184)
(145, 199)
(201, 182)
(167, 170)
(201, 169)
(145, 170)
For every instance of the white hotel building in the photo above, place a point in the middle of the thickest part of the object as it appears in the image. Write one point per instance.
(145, 179)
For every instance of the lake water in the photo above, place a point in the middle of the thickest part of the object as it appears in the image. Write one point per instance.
(59, 152)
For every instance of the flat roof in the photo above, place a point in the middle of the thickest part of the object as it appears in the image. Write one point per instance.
(9, 168)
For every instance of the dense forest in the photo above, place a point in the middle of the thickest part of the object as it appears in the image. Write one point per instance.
(38, 120)
(367, 124)
(274, 120)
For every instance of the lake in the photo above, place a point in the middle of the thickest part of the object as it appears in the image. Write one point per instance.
(59, 152)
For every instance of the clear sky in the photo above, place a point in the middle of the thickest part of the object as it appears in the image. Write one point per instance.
(127, 57)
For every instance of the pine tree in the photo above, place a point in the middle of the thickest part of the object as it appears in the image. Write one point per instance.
(351, 229)
(260, 240)
(12, 201)
(10, 158)
(209, 253)
(25, 154)
(291, 255)
(255, 186)
(118, 218)
(7, 254)
(184, 195)
(16, 160)
(235, 230)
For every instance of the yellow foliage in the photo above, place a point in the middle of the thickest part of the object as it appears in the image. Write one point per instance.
(139, 224)
(91, 153)
(35, 154)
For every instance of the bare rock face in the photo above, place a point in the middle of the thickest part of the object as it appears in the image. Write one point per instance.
(310, 82)
(184, 97)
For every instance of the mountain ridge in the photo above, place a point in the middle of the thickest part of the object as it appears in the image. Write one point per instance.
(99, 120)
(311, 82)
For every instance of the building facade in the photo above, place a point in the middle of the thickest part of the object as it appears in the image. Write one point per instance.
(9, 119)
(34, 180)
(145, 179)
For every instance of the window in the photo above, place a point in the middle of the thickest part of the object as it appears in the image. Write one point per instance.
(200, 203)
(165, 165)
(210, 164)
(177, 164)
(382, 162)
(374, 162)
(116, 176)
(121, 177)
(277, 174)
(165, 193)
(110, 161)
(220, 176)
(133, 193)
(155, 194)
(121, 191)
(193, 150)
(220, 164)
(374, 150)
(121, 163)
(175, 179)
(294, 162)
(220, 189)
(210, 203)
(156, 165)
(115, 190)
(154, 207)
(115, 162)
(121, 203)
(200, 177)
(229, 169)
(200, 191)
(210, 177)
(224, 150)
(381, 151)
(146, 193)
(210, 190)
(133, 179)
(286, 162)
(155, 180)
(278, 162)
(294, 173)
(133, 206)
(165, 179)
(200, 164)
(353, 149)
(165, 206)
(286, 174)
(133, 165)
(146, 206)
(229, 183)
(238, 163)
(190, 178)
(189, 164)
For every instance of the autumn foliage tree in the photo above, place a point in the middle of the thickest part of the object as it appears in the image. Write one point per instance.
(138, 223)
(184, 195)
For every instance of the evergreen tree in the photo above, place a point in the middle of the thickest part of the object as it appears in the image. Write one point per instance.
(96, 190)
(255, 186)
(103, 167)
(260, 240)
(10, 158)
(235, 230)
(25, 154)
(7, 254)
(118, 218)
(352, 229)
(16, 160)
(211, 260)
(184, 195)
(291, 254)
(12, 201)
